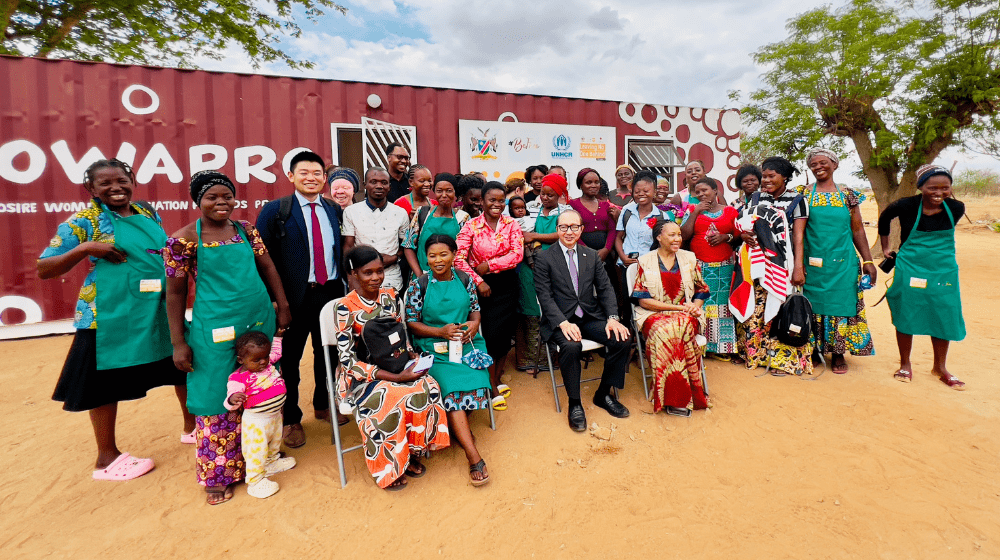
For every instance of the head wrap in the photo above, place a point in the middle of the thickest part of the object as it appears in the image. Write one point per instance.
(927, 171)
(662, 181)
(515, 175)
(347, 174)
(556, 183)
(204, 180)
(583, 173)
(825, 153)
(624, 166)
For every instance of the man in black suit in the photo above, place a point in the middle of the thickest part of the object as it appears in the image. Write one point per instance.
(302, 234)
(566, 276)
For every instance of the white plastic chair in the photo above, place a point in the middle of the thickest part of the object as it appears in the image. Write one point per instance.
(328, 336)
(630, 274)
(588, 345)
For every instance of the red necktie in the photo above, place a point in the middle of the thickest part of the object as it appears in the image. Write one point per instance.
(319, 256)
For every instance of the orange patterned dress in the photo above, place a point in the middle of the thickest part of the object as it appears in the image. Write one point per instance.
(396, 420)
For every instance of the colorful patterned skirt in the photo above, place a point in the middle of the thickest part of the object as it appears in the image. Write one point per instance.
(477, 399)
(398, 420)
(756, 346)
(842, 335)
(219, 453)
(720, 325)
(675, 358)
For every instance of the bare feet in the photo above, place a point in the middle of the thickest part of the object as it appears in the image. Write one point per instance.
(397, 484)
(216, 495)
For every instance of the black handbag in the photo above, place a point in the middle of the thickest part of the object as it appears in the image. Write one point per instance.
(383, 343)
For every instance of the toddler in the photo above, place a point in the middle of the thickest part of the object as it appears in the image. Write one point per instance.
(257, 386)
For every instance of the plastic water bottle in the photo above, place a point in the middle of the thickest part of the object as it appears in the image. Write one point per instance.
(866, 282)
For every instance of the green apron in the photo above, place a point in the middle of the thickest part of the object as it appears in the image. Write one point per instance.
(131, 302)
(831, 262)
(230, 300)
(924, 297)
(527, 301)
(450, 304)
(432, 225)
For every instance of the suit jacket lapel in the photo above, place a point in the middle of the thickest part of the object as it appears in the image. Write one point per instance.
(298, 216)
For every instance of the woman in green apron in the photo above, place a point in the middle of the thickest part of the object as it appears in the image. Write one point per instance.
(228, 261)
(924, 297)
(452, 318)
(130, 353)
(441, 219)
(833, 274)
(545, 210)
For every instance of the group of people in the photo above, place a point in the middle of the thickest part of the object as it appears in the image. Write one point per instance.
(458, 270)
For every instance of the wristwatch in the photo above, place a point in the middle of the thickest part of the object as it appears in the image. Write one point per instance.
(615, 317)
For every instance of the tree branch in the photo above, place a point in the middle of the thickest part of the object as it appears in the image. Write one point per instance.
(69, 22)
(7, 10)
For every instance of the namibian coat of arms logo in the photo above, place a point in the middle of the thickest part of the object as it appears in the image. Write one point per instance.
(483, 145)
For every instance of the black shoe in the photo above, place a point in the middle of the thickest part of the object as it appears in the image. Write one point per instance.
(577, 418)
(611, 404)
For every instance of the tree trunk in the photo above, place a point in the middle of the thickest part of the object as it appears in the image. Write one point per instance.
(886, 186)
(69, 22)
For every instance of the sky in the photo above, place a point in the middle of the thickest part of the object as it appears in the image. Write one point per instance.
(674, 52)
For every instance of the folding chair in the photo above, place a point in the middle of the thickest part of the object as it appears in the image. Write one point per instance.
(630, 274)
(328, 334)
(588, 345)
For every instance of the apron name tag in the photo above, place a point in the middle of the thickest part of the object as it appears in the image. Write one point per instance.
(441, 347)
(150, 285)
(918, 282)
(225, 334)
(816, 261)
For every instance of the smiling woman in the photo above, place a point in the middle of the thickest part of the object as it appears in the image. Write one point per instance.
(230, 264)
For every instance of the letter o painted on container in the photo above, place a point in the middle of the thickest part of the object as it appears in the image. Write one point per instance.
(36, 161)
(32, 311)
(127, 101)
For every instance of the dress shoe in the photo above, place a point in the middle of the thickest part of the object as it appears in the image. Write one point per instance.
(293, 436)
(323, 415)
(577, 418)
(611, 404)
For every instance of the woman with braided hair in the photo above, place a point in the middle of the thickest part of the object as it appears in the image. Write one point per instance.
(130, 353)
(421, 183)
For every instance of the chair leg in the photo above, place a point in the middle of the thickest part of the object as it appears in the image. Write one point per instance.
(552, 374)
(493, 422)
(340, 453)
(640, 347)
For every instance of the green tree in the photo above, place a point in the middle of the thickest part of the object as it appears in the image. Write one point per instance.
(169, 32)
(901, 82)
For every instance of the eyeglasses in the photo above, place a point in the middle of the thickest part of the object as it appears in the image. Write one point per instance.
(573, 228)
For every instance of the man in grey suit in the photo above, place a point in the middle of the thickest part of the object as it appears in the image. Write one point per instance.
(567, 275)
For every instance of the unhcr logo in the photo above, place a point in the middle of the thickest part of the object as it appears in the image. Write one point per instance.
(562, 145)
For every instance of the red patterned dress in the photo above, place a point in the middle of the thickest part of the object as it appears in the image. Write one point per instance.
(673, 352)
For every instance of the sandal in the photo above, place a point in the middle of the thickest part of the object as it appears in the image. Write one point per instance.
(480, 468)
(841, 368)
(503, 391)
(737, 360)
(415, 469)
(397, 484)
(499, 403)
(216, 497)
(188, 437)
(125, 467)
(903, 375)
(953, 382)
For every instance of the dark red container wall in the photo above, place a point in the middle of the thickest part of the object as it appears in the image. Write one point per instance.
(46, 101)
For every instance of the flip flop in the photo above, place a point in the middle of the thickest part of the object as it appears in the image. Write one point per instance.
(188, 438)
(415, 469)
(397, 484)
(226, 495)
(479, 468)
(953, 382)
(125, 467)
(499, 403)
(840, 369)
(903, 375)
(503, 390)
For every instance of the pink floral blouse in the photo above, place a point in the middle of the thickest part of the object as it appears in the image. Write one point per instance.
(502, 248)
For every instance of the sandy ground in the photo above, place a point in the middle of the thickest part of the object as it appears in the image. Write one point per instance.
(853, 466)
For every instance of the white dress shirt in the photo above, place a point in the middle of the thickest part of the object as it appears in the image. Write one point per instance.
(325, 228)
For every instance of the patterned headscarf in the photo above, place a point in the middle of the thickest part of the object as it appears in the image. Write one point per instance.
(624, 166)
(347, 174)
(204, 180)
(825, 153)
(927, 171)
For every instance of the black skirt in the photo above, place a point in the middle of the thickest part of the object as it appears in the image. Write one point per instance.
(499, 312)
(82, 386)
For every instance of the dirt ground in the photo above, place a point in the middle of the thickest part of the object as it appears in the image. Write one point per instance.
(852, 466)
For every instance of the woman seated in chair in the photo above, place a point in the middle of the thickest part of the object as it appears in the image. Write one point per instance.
(452, 319)
(400, 414)
(671, 293)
